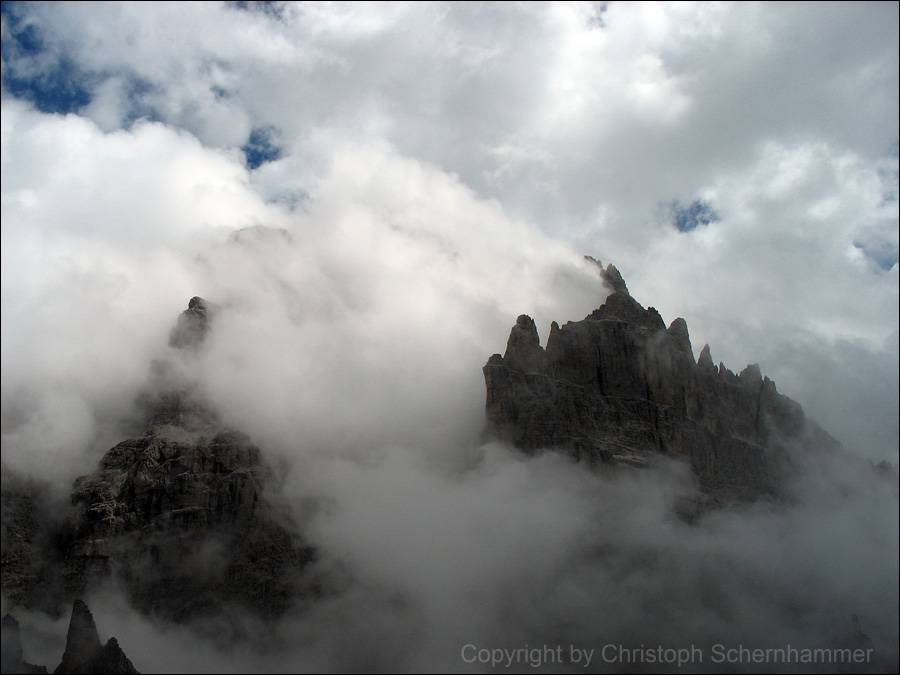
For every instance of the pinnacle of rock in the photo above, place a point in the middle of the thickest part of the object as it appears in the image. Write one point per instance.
(192, 325)
(84, 652)
(705, 361)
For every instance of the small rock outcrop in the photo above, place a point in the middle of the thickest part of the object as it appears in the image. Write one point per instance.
(621, 387)
(85, 654)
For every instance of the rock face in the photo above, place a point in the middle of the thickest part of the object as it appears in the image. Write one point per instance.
(84, 652)
(619, 386)
(12, 660)
(192, 325)
(185, 515)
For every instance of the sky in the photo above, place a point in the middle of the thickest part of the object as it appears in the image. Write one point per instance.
(376, 191)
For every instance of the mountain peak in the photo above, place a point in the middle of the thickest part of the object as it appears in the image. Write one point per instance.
(705, 362)
(523, 349)
(621, 387)
(610, 275)
(193, 324)
(84, 651)
(82, 640)
(155, 519)
(197, 304)
(678, 330)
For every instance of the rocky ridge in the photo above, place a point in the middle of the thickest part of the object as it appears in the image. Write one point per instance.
(621, 387)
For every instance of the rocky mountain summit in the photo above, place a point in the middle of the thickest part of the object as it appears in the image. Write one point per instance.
(84, 651)
(620, 386)
(186, 516)
(181, 514)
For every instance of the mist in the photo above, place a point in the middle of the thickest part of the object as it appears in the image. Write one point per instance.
(352, 357)
(363, 277)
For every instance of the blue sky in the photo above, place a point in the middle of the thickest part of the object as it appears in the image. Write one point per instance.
(57, 86)
(690, 216)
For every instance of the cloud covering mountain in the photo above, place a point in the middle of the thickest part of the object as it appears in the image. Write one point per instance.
(372, 194)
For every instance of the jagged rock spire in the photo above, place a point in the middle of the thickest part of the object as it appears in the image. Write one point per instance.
(82, 640)
(751, 375)
(84, 652)
(192, 325)
(610, 275)
(523, 349)
(679, 331)
(705, 361)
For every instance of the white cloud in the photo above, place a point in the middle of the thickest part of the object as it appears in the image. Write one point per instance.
(443, 167)
(397, 281)
(98, 231)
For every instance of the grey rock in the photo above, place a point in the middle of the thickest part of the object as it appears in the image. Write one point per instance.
(523, 349)
(193, 324)
(618, 387)
(705, 361)
(82, 640)
(184, 522)
(186, 515)
(84, 651)
(678, 331)
(610, 276)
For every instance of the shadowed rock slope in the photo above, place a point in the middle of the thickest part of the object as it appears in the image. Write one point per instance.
(622, 387)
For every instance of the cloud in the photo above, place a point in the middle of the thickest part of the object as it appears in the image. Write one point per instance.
(432, 171)
(98, 230)
(387, 272)
(516, 551)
